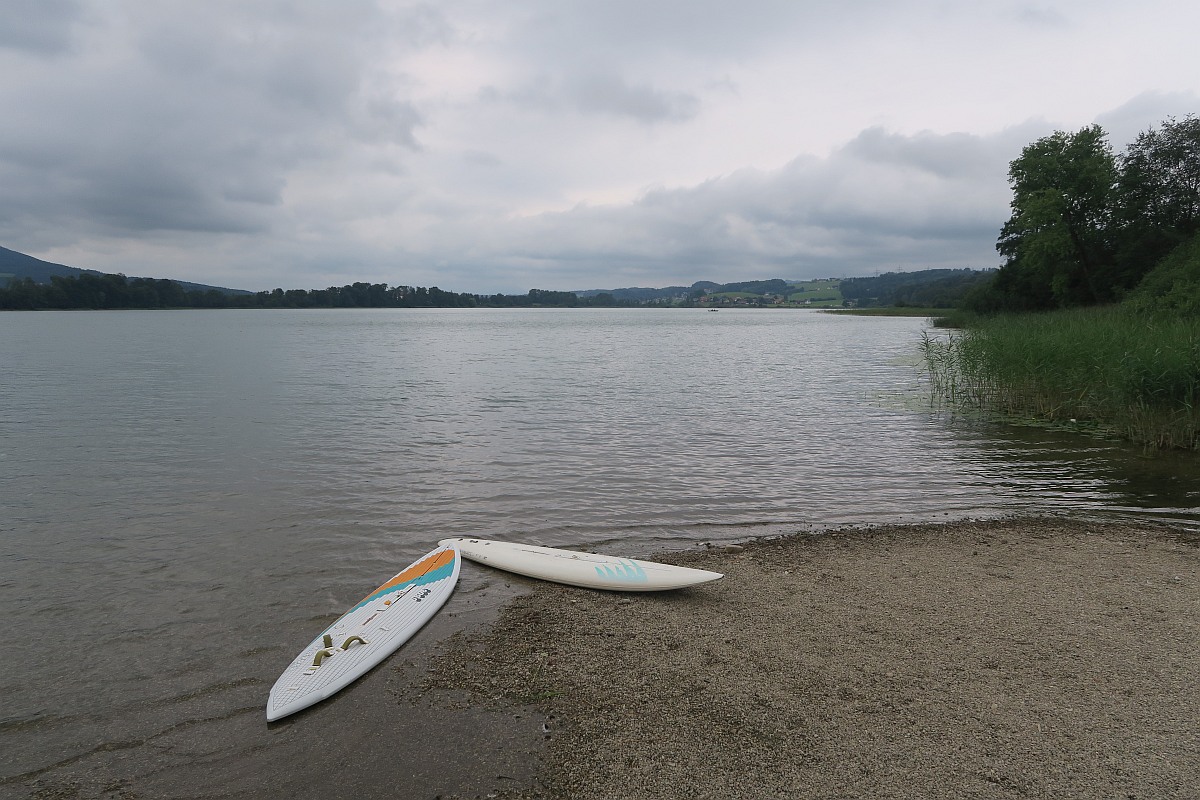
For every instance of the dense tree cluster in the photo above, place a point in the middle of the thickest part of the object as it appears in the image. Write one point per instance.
(116, 291)
(106, 291)
(1088, 225)
(930, 288)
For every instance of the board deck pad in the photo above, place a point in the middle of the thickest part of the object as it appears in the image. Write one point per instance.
(589, 570)
(366, 634)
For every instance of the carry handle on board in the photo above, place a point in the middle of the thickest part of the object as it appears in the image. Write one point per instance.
(327, 651)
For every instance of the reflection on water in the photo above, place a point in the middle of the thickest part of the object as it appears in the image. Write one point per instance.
(186, 496)
(1082, 472)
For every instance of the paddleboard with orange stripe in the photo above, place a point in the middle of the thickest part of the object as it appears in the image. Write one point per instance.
(366, 634)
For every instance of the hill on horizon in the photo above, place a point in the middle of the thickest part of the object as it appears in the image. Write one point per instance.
(645, 293)
(15, 265)
(934, 288)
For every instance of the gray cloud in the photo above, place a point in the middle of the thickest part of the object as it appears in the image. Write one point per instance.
(1144, 111)
(634, 30)
(604, 94)
(45, 27)
(551, 144)
(956, 155)
(1042, 17)
(200, 123)
(881, 202)
(612, 95)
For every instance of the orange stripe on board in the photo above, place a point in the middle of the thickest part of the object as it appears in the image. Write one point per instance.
(416, 570)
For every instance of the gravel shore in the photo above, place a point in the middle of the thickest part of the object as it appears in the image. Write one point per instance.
(1042, 658)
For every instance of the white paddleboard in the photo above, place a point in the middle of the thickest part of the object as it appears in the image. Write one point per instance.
(366, 634)
(580, 569)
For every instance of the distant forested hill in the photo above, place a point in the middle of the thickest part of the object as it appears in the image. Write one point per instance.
(14, 266)
(643, 294)
(19, 265)
(772, 286)
(639, 294)
(930, 288)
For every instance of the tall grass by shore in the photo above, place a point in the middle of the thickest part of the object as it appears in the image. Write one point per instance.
(1135, 375)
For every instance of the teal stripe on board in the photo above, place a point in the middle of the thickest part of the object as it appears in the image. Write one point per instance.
(441, 573)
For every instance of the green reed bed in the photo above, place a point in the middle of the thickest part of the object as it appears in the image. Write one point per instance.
(1132, 374)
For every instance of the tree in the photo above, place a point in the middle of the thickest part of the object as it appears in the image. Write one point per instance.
(1057, 240)
(21, 294)
(603, 299)
(547, 297)
(1158, 194)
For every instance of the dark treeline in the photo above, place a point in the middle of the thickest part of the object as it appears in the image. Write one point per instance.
(930, 288)
(118, 292)
(1089, 226)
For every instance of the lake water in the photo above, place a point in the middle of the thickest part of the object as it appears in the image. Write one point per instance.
(187, 497)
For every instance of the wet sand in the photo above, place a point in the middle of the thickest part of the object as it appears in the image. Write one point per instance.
(1022, 658)
(362, 743)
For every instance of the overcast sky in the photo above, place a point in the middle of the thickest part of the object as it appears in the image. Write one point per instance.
(502, 146)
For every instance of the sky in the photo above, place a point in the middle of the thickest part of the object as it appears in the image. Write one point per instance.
(552, 144)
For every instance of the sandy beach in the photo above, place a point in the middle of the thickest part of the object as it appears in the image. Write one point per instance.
(1019, 658)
